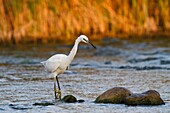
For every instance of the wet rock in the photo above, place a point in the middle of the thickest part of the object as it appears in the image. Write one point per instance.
(150, 97)
(44, 103)
(116, 95)
(69, 99)
(80, 101)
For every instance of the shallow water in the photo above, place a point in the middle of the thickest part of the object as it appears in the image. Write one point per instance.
(136, 65)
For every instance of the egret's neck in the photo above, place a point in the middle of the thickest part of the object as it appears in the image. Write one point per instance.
(73, 51)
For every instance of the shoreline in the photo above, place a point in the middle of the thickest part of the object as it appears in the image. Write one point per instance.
(94, 38)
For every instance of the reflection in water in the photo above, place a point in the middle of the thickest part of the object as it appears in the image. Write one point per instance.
(138, 66)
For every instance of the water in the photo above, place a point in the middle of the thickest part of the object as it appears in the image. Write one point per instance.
(137, 65)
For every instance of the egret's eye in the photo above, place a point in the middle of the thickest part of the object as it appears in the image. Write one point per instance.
(85, 40)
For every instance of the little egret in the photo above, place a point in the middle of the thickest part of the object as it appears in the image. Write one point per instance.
(58, 63)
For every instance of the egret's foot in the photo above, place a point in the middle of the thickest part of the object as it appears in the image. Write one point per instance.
(59, 94)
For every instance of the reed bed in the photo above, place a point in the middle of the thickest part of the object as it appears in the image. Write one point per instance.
(51, 20)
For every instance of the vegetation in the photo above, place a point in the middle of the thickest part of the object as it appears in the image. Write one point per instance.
(49, 20)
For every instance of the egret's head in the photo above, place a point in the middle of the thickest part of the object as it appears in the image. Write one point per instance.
(84, 39)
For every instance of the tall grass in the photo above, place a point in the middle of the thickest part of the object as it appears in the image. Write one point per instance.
(50, 20)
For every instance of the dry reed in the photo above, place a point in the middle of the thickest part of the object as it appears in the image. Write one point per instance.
(50, 20)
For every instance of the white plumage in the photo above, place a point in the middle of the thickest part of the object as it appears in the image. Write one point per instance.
(55, 62)
(58, 63)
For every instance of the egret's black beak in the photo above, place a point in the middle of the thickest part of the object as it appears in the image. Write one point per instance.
(91, 44)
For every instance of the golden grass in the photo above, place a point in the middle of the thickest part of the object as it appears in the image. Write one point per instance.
(50, 20)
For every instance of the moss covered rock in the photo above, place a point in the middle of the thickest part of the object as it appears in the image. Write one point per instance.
(69, 99)
(150, 97)
(116, 95)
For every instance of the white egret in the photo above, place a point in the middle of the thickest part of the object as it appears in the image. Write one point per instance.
(58, 63)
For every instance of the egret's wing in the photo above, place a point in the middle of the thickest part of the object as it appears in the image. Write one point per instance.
(53, 62)
(51, 66)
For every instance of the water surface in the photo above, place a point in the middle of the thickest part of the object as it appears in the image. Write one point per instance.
(137, 65)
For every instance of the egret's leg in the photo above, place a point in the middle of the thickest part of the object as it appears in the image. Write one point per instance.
(59, 90)
(55, 91)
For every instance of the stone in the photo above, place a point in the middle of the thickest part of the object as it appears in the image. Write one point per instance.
(80, 101)
(116, 95)
(150, 97)
(69, 99)
(44, 103)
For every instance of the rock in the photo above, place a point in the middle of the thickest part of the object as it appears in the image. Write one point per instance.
(120, 95)
(150, 97)
(69, 99)
(116, 95)
(80, 101)
(44, 103)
